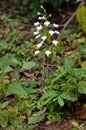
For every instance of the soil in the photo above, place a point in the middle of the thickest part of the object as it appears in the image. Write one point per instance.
(65, 124)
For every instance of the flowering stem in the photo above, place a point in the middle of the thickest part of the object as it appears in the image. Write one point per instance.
(45, 68)
(47, 73)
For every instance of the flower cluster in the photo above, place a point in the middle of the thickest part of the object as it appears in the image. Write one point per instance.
(45, 34)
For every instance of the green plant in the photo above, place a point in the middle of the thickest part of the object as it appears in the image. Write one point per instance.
(78, 126)
(67, 85)
(81, 17)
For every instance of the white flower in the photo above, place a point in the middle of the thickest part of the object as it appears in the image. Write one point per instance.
(35, 33)
(57, 32)
(51, 32)
(36, 24)
(37, 36)
(44, 38)
(36, 52)
(40, 44)
(41, 18)
(55, 25)
(39, 27)
(55, 42)
(46, 23)
(47, 52)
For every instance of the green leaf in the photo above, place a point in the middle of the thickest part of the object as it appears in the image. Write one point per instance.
(82, 87)
(3, 120)
(16, 89)
(68, 63)
(28, 65)
(75, 124)
(4, 105)
(8, 69)
(83, 64)
(58, 77)
(46, 98)
(60, 101)
(35, 119)
(65, 96)
(31, 127)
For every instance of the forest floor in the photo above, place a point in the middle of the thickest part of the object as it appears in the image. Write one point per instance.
(61, 18)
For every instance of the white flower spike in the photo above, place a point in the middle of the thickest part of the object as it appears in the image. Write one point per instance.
(44, 38)
(55, 42)
(36, 52)
(46, 23)
(48, 52)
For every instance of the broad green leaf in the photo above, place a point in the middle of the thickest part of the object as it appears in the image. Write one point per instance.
(17, 89)
(28, 65)
(75, 124)
(31, 127)
(35, 119)
(60, 101)
(65, 96)
(4, 105)
(8, 69)
(82, 87)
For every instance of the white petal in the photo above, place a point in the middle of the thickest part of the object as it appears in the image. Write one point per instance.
(55, 25)
(46, 23)
(37, 36)
(41, 18)
(35, 33)
(55, 42)
(44, 38)
(36, 24)
(36, 52)
(57, 32)
(39, 27)
(40, 44)
(51, 32)
(48, 52)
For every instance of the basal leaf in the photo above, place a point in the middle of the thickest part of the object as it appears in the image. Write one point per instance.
(17, 89)
(35, 119)
(28, 65)
(4, 105)
(8, 69)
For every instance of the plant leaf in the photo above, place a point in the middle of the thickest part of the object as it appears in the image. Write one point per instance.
(60, 101)
(16, 89)
(35, 119)
(65, 96)
(82, 87)
(28, 65)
